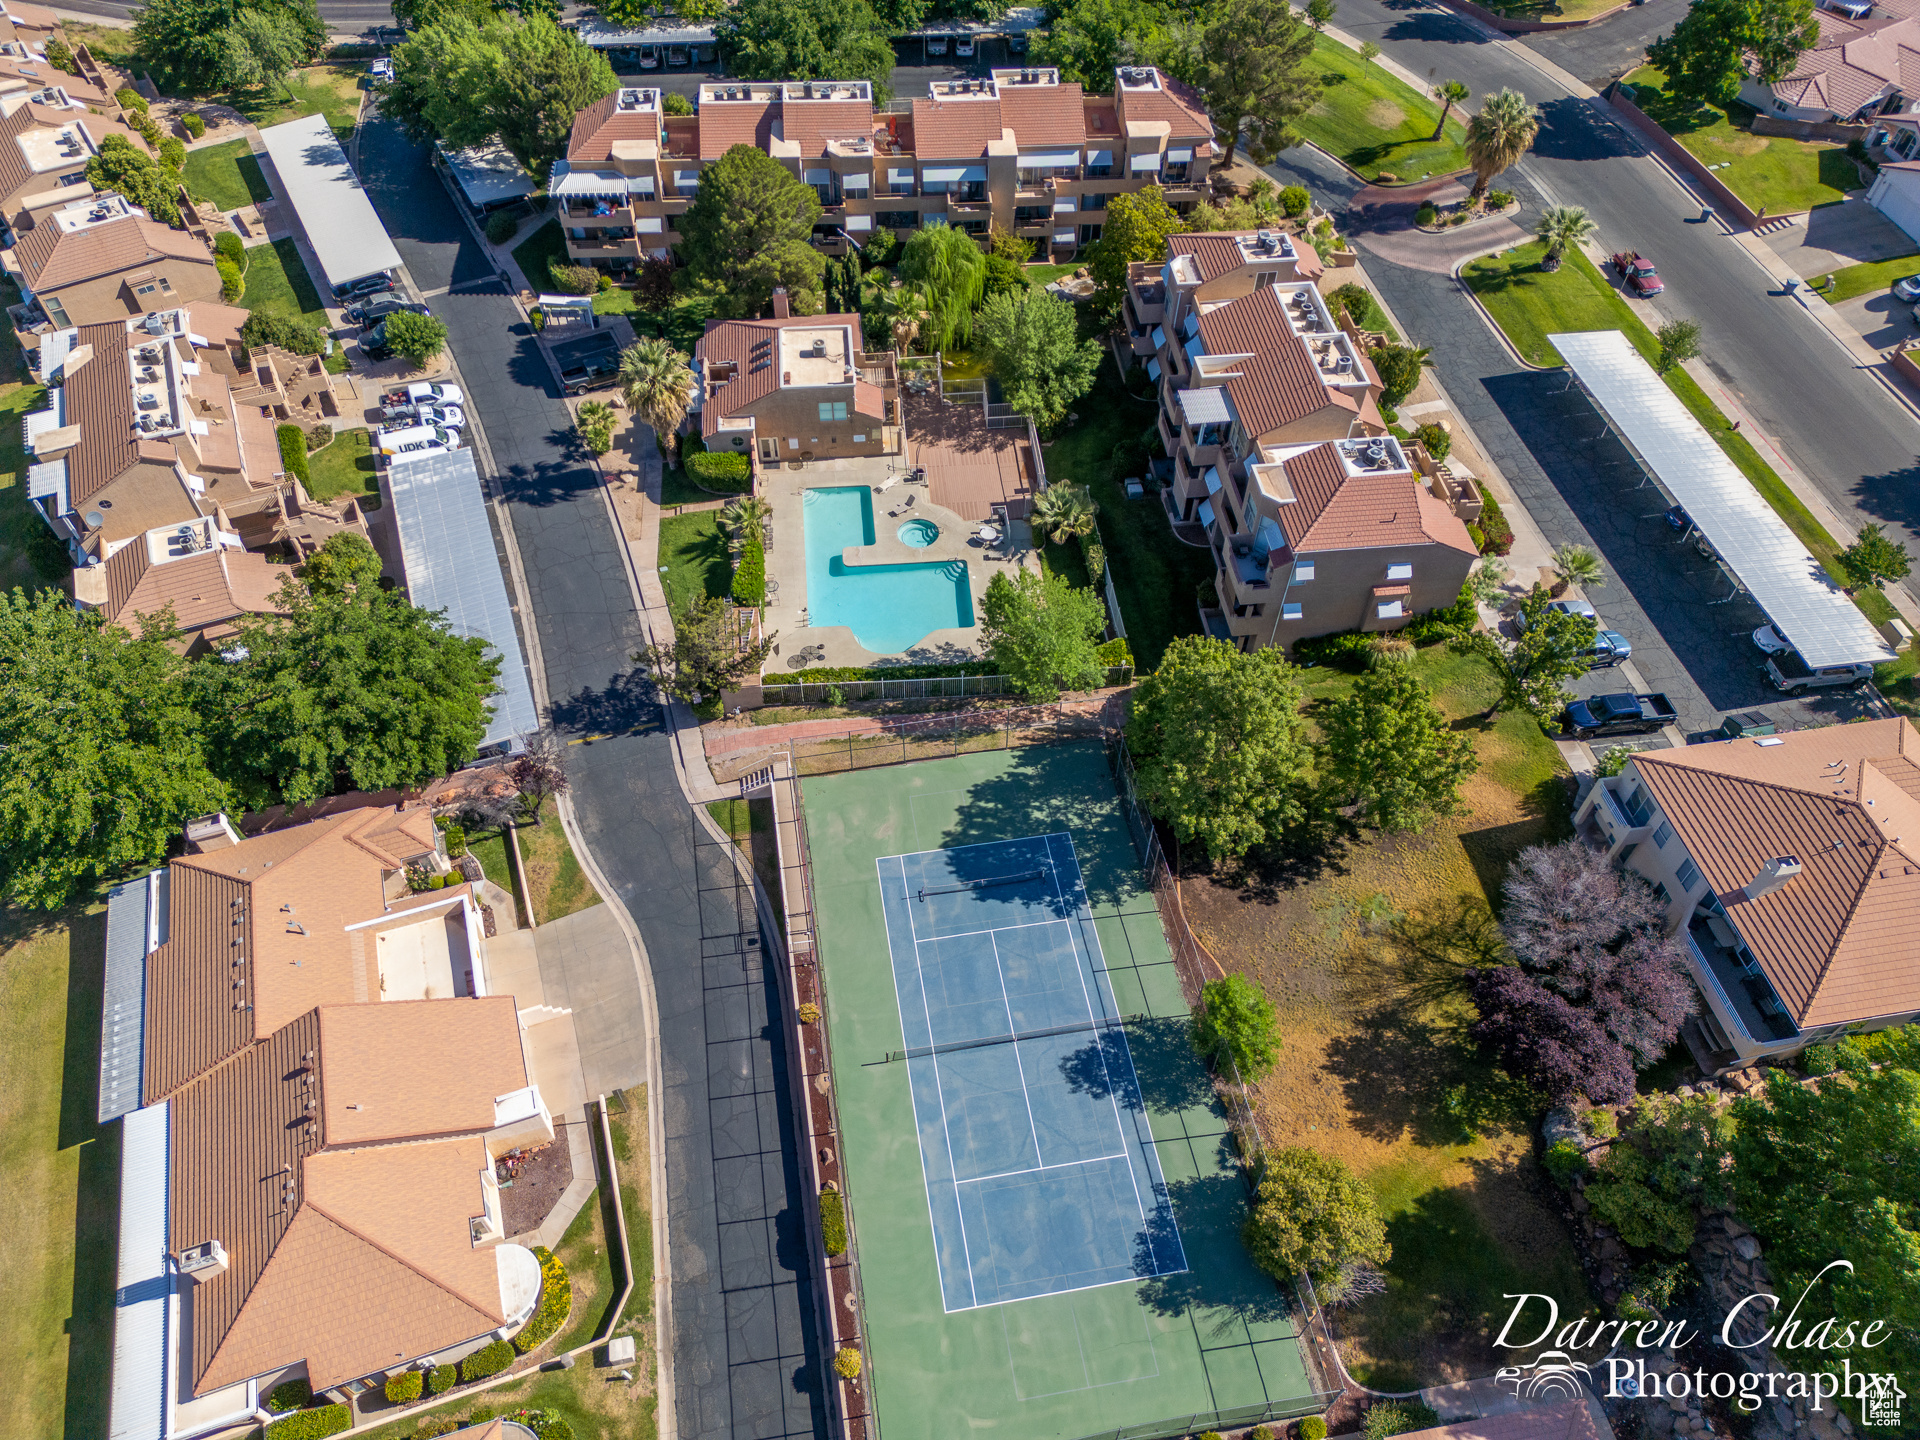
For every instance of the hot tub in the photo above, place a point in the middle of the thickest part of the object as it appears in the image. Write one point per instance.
(918, 534)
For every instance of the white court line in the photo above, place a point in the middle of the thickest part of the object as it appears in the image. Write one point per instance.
(1018, 1064)
(962, 935)
(977, 844)
(953, 1167)
(1036, 1169)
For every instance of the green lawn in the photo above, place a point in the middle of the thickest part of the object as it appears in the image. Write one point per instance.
(1374, 122)
(29, 554)
(694, 559)
(227, 175)
(277, 281)
(627, 1118)
(1155, 573)
(345, 468)
(330, 90)
(1869, 279)
(1768, 172)
(540, 250)
(1529, 304)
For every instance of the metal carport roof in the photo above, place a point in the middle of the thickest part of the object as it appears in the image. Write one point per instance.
(447, 549)
(1754, 544)
(346, 235)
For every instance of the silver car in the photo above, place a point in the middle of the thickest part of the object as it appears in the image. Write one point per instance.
(1770, 640)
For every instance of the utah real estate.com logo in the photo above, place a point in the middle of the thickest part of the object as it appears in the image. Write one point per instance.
(1557, 1373)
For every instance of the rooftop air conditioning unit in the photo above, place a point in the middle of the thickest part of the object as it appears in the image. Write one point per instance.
(204, 1261)
(820, 349)
(156, 323)
(1346, 364)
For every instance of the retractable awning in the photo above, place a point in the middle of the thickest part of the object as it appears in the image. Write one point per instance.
(1050, 159)
(1150, 161)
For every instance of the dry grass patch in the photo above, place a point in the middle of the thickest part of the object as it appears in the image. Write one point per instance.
(556, 885)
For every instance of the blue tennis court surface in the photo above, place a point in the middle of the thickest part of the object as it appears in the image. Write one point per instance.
(1041, 1172)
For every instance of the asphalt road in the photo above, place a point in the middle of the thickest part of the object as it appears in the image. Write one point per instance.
(745, 1352)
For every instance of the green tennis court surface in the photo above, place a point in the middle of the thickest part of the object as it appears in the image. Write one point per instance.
(1215, 1335)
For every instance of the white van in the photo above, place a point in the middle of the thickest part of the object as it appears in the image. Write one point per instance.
(417, 439)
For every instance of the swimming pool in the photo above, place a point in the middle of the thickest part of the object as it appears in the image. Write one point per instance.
(889, 608)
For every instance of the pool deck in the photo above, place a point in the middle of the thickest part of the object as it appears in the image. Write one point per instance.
(787, 561)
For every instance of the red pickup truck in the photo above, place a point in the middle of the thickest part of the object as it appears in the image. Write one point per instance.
(1637, 274)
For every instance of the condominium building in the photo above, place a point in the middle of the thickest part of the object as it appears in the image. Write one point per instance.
(1319, 520)
(101, 258)
(1018, 151)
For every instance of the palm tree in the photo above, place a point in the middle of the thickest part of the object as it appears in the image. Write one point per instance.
(1498, 136)
(1064, 510)
(742, 517)
(1561, 226)
(904, 308)
(658, 387)
(1579, 565)
(1449, 93)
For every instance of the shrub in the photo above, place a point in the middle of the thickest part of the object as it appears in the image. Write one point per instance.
(674, 103)
(1312, 1428)
(1478, 536)
(573, 279)
(1438, 442)
(595, 422)
(1425, 215)
(549, 1424)
(128, 98)
(809, 1013)
(438, 1425)
(289, 1395)
(1115, 652)
(833, 1221)
(750, 575)
(441, 1379)
(1432, 626)
(1356, 300)
(193, 124)
(1004, 276)
(404, 1388)
(1398, 1417)
(60, 57)
(1498, 199)
(437, 882)
(880, 250)
(829, 673)
(293, 451)
(1564, 1162)
(416, 338)
(1493, 525)
(1389, 650)
(846, 1363)
(1295, 199)
(1601, 1124)
(500, 226)
(319, 437)
(143, 125)
(489, 1360)
(836, 698)
(1208, 1435)
(232, 283)
(1263, 1432)
(173, 152)
(556, 1302)
(312, 1424)
(229, 246)
(1820, 1059)
(295, 336)
(723, 470)
(1346, 649)
(603, 284)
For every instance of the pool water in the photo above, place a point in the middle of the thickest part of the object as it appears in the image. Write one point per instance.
(889, 608)
(918, 533)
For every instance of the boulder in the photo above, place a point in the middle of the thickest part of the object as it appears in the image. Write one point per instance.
(1746, 1247)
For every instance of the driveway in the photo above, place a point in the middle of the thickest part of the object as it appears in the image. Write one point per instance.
(1883, 322)
(1836, 236)
(745, 1354)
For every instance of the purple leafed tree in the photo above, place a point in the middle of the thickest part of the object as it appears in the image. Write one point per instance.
(1542, 1039)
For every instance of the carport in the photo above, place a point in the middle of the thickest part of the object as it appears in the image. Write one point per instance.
(1755, 549)
(347, 237)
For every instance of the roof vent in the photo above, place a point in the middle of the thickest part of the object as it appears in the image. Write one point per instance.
(1775, 873)
(210, 832)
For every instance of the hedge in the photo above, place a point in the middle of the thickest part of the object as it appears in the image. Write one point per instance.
(312, 1424)
(293, 451)
(289, 1395)
(833, 1222)
(441, 1379)
(232, 283)
(1313, 1428)
(832, 674)
(720, 470)
(229, 246)
(556, 1302)
(547, 1424)
(128, 98)
(1493, 525)
(173, 153)
(296, 336)
(404, 1388)
(60, 56)
(750, 575)
(488, 1361)
(193, 124)
(1115, 652)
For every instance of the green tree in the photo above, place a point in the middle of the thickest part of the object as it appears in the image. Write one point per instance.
(1252, 76)
(1498, 136)
(807, 40)
(1032, 344)
(903, 309)
(1719, 43)
(345, 563)
(1043, 634)
(1668, 1165)
(1369, 52)
(102, 756)
(658, 385)
(416, 338)
(951, 270)
(1221, 744)
(595, 421)
(749, 230)
(1561, 226)
(1312, 1214)
(124, 167)
(1873, 559)
(1679, 342)
(1531, 668)
(1091, 37)
(1136, 228)
(1320, 13)
(520, 82)
(355, 690)
(1064, 511)
(1390, 750)
(1236, 1029)
(705, 657)
(1399, 367)
(202, 45)
(1449, 93)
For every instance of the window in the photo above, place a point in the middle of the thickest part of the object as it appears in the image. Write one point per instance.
(145, 289)
(833, 409)
(1290, 610)
(1264, 278)
(1662, 835)
(1390, 610)
(1176, 172)
(1031, 214)
(897, 219)
(78, 177)
(56, 312)
(1094, 202)
(1302, 571)
(1660, 892)
(166, 286)
(1399, 572)
(1687, 876)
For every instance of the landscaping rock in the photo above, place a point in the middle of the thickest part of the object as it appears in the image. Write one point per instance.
(1746, 1247)
(1561, 1123)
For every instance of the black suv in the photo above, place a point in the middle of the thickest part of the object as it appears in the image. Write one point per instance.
(369, 313)
(366, 285)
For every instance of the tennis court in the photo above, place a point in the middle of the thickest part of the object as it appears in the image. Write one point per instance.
(1040, 1167)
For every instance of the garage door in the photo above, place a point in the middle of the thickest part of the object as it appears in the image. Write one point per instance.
(1900, 203)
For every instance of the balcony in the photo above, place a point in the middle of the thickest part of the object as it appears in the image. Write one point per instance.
(1742, 1000)
(596, 210)
(1148, 299)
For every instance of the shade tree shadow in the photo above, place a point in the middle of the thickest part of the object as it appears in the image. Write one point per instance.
(1220, 1289)
(1168, 1074)
(627, 702)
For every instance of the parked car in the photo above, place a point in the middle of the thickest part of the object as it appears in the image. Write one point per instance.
(421, 392)
(1907, 289)
(649, 57)
(936, 45)
(375, 284)
(1637, 274)
(963, 47)
(1770, 640)
(676, 55)
(1620, 714)
(381, 71)
(1678, 519)
(1746, 722)
(403, 417)
(1017, 44)
(373, 343)
(369, 313)
(1609, 648)
(1579, 608)
(1790, 673)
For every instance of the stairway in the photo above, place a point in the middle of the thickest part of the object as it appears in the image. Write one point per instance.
(1775, 223)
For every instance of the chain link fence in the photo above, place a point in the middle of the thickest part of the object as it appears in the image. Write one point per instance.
(933, 687)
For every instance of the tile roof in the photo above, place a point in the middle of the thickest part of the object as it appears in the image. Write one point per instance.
(1279, 384)
(202, 589)
(811, 123)
(725, 124)
(1853, 63)
(753, 347)
(1837, 939)
(1178, 104)
(955, 129)
(596, 128)
(404, 1069)
(52, 257)
(99, 398)
(1333, 510)
(1044, 114)
(1217, 252)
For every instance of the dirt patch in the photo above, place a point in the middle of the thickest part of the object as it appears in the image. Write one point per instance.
(531, 1184)
(1386, 115)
